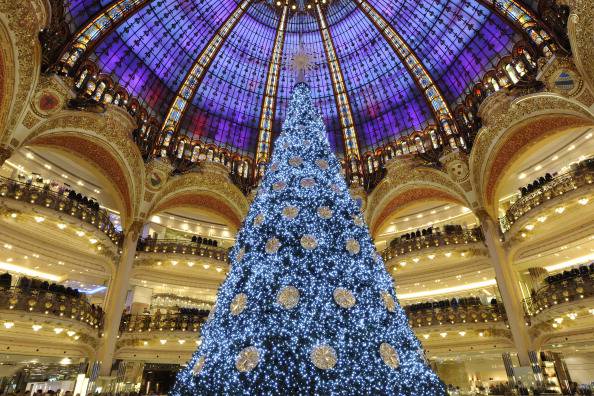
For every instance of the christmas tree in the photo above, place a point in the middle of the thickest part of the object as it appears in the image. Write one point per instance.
(308, 306)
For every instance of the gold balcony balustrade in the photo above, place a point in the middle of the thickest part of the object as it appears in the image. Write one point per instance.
(457, 236)
(45, 198)
(581, 175)
(190, 322)
(439, 313)
(176, 246)
(570, 286)
(51, 303)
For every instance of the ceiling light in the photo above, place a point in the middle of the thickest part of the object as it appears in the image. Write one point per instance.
(93, 241)
(71, 333)
(522, 176)
(219, 269)
(572, 315)
(583, 201)
(36, 327)
(173, 262)
(80, 233)
(560, 209)
(66, 361)
(13, 215)
(443, 335)
(163, 342)
(541, 219)
(205, 266)
(61, 226)
(58, 330)
(431, 256)
(190, 263)
(29, 155)
(402, 263)
(416, 260)
(558, 320)
(481, 334)
(76, 337)
(39, 219)
(181, 342)
(448, 254)
(462, 333)
(9, 325)
(145, 343)
(29, 272)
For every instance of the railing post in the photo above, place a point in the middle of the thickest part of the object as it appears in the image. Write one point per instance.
(116, 297)
(508, 285)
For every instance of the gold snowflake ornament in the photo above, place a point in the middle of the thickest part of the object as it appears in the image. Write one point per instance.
(274, 167)
(352, 246)
(279, 185)
(322, 164)
(295, 161)
(247, 360)
(358, 220)
(309, 242)
(198, 366)
(288, 297)
(388, 301)
(238, 304)
(290, 212)
(324, 212)
(272, 245)
(344, 298)
(323, 357)
(389, 355)
(259, 220)
(307, 182)
(240, 255)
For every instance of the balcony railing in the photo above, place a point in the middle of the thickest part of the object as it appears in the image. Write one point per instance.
(433, 316)
(51, 303)
(163, 323)
(48, 199)
(574, 288)
(182, 247)
(401, 246)
(582, 175)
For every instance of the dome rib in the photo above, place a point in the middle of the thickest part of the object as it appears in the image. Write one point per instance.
(99, 27)
(341, 96)
(194, 77)
(414, 66)
(270, 92)
(523, 20)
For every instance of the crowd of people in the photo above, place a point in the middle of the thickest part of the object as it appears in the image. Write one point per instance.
(536, 184)
(205, 241)
(581, 271)
(453, 303)
(447, 229)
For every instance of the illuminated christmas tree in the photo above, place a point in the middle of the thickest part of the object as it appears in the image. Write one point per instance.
(308, 306)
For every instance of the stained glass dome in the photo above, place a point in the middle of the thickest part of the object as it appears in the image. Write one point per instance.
(221, 71)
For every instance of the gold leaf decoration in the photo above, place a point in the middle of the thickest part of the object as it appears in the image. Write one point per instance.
(238, 304)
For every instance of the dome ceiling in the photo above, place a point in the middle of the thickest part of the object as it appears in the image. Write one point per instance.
(154, 45)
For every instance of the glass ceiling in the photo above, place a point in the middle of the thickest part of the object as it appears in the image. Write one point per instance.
(152, 50)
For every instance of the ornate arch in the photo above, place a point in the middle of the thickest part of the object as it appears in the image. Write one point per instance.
(510, 126)
(20, 59)
(103, 141)
(209, 190)
(580, 29)
(409, 183)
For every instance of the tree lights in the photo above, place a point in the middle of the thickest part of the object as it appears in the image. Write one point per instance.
(308, 307)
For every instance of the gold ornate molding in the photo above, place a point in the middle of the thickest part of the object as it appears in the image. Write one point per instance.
(511, 124)
(25, 20)
(409, 181)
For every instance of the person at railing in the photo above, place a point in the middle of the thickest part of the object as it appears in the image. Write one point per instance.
(536, 184)
(5, 280)
(581, 271)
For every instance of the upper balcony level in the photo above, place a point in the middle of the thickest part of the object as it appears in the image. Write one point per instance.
(167, 247)
(550, 196)
(45, 201)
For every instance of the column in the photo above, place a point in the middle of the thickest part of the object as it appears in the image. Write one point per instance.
(507, 282)
(116, 297)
